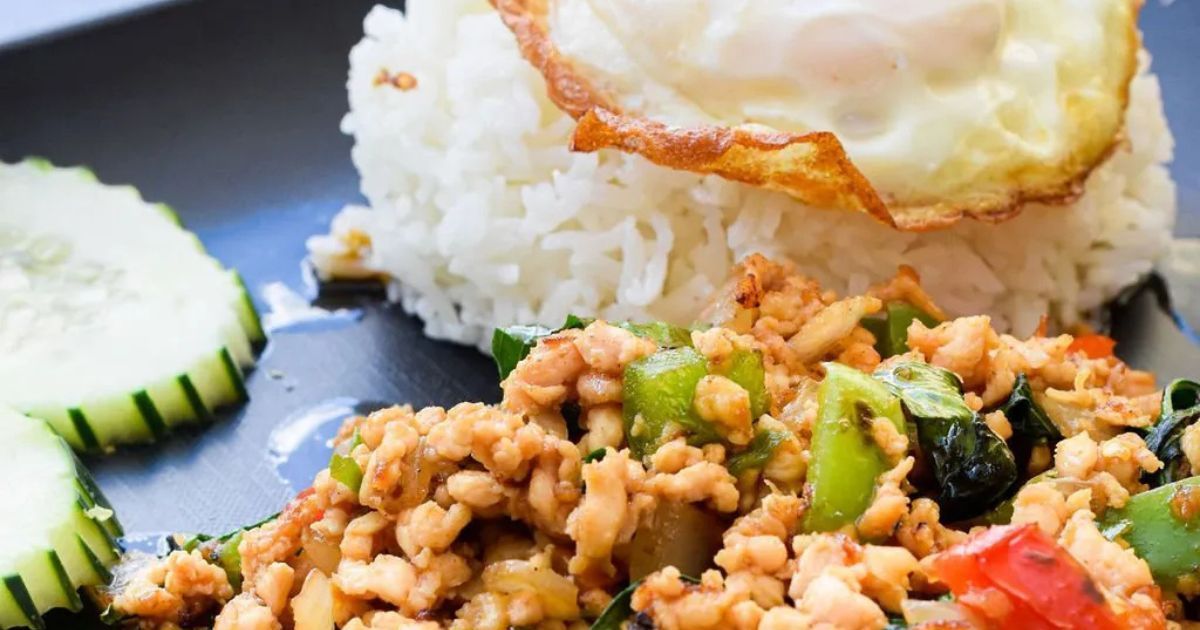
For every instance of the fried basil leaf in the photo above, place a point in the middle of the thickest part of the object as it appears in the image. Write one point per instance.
(1180, 410)
(511, 344)
(1030, 424)
(595, 456)
(972, 466)
(620, 609)
(758, 452)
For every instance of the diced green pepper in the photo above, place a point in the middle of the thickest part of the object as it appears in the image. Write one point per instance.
(846, 461)
(576, 322)
(661, 333)
(344, 468)
(659, 390)
(1163, 527)
(657, 393)
(891, 330)
(230, 559)
(511, 344)
(745, 367)
(223, 550)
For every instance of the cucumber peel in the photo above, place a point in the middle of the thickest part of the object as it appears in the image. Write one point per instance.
(59, 534)
(115, 325)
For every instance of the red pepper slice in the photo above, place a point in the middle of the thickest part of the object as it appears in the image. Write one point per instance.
(1094, 346)
(1020, 579)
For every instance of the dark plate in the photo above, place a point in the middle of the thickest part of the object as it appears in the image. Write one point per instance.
(229, 111)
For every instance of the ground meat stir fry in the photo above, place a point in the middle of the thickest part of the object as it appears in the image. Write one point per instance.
(726, 476)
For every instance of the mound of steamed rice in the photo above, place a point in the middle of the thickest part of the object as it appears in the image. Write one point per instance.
(479, 215)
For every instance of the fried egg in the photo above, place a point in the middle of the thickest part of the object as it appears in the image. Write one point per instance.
(919, 112)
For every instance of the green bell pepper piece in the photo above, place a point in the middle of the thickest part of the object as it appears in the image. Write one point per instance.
(344, 468)
(657, 393)
(511, 344)
(745, 367)
(891, 330)
(846, 461)
(1163, 527)
(661, 333)
(659, 389)
(223, 550)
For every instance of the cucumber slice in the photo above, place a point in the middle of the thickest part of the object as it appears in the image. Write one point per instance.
(115, 325)
(58, 534)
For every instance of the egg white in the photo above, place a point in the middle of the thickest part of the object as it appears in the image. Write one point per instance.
(946, 106)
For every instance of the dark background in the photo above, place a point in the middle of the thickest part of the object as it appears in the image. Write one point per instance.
(229, 111)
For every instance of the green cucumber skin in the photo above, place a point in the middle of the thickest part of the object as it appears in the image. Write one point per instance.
(25, 613)
(40, 163)
(236, 379)
(111, 540)
(98, 566)
(169, 212)
(250, 319)
(199, 409)
(149, 414)
(75, 557)
(90, 493)
(71, 594)
(90, 426)
(81, 431)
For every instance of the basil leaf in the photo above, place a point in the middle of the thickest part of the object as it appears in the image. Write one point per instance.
(1180, 410)
(574, 321)
(973, 467)
(757, 453)
(595, 455)
(1030, 424)
(511, 344)
(620, 609)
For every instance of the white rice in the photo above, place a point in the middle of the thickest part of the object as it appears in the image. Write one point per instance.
(481, 216)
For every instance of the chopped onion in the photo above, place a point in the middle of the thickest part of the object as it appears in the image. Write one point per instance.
(558, 594)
